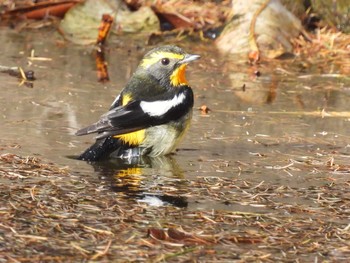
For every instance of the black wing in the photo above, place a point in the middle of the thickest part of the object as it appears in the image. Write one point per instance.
(132, 117)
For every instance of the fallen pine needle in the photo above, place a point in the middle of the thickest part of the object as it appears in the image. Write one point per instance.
(102, 253)
(80, 249)
(98, 230)
(32, 237)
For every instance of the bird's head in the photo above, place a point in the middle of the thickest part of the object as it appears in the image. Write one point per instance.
(167, 64)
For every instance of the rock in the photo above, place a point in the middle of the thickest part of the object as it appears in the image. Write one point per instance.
(260, 26)
(80, 24)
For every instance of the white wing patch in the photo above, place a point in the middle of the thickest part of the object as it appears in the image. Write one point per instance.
(159, 108)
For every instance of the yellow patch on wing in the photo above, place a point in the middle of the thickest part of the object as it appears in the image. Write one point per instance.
(178, 77)
(126, 98)
(155, 57)
(132, 138)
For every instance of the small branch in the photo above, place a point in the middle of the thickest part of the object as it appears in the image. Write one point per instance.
(18, 72)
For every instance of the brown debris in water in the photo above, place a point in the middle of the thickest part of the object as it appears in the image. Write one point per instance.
(197, 15)
(103, 32)
(204, 109)
(326, 46)
(49, 214)
(104, 28)
(25, 77)
(26, 12)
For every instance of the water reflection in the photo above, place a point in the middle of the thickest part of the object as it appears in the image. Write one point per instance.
(261, 117)
(138, 177)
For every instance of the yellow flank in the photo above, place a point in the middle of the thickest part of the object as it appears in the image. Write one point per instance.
(132, 138)
(126, 99)
(178, 77)
(155, 57)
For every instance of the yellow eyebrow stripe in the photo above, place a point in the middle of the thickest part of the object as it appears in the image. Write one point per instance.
(155, 57)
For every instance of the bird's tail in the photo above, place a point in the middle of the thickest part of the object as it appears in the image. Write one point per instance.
(101, 149)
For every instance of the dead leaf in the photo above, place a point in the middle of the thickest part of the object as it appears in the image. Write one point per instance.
(41, 10)
(176, 234)
(157, 233)
(204, 109)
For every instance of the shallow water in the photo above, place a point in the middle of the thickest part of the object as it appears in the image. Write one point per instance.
(265, 130)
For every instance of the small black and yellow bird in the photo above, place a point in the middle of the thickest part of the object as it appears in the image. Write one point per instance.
(152, 112)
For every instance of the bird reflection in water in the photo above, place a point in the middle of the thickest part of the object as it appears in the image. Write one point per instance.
(143, 178)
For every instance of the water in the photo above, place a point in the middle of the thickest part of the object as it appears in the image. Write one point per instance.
(265, 130)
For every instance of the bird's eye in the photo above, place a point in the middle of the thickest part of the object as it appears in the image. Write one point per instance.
(165, 61)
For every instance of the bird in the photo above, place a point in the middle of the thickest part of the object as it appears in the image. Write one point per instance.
(152, 112)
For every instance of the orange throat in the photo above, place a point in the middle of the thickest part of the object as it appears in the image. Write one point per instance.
(178, 77)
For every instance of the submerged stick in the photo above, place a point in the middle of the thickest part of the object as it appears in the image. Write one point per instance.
(103, 31)
(18, 72)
